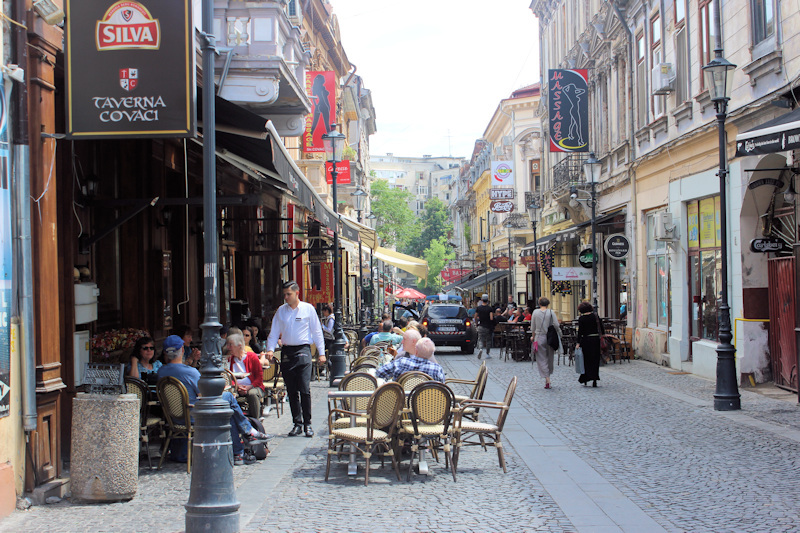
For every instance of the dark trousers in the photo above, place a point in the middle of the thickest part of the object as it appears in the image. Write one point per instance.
(296, 370)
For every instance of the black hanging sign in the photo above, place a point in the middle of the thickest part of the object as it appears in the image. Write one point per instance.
(130, 69)
(617, 246)
(768, 245)
(586, 258)
(568, 110)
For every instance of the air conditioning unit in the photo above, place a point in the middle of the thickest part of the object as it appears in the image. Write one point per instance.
(663, 78)
(665, 228)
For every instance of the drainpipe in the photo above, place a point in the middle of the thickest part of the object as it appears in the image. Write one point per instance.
(22, 208)
(632, 308)
(352, 73)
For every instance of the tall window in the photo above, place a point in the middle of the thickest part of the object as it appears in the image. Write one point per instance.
(681, 64)
(641, 81)
(680, 12)
(658, 290)
(706, 33)
(656, 58)
(705, 266)
(422, 190)
(763, 19)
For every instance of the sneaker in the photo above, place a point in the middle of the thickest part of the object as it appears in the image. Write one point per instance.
(258, 436)
(238, 460)
(249, 459)
(480, 353)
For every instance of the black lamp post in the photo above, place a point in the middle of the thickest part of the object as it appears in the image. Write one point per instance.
(334, 145)
(359, 198)
(509, 225)
(534, 209)
(591, 169)
(212, 504)
(372, 303)
(719, 80)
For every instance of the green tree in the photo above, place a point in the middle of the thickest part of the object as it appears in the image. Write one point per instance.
(396, 223)
(435, 224)
(438, 254)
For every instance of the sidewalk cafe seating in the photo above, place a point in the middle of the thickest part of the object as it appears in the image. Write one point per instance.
(374, 359)
(431, 418)
(409, 380)
(175, 402)
(148, 425)
(274, 388)
(354, 381)
(466, 430)
(478, 386)
(377, 435)
(569, 338)
(365, 366)
(618, 338)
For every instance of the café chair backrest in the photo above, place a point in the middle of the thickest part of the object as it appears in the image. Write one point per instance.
(409, 380)
(357, 381)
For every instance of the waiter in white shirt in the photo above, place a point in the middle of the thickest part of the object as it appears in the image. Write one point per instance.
(297, 325)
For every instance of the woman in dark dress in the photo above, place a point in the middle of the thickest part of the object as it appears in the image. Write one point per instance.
(589, 341)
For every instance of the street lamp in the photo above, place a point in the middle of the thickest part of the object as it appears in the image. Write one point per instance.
(719, 80)
(509, 225)
(591, 170)
(334, 145)
(534, 208)
(212, 504)
(359, 199)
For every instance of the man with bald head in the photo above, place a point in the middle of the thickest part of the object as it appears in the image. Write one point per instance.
(419, 362)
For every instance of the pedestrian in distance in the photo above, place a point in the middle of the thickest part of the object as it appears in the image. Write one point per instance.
(297, 325)
(485, 317)
(541, 320)
(589, 331)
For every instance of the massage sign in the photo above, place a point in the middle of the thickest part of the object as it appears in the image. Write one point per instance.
(130, 69)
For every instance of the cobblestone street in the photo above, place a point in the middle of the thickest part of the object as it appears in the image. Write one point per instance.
(645, 451)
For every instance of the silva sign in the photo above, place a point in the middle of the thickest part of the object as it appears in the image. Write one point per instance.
(130, 69)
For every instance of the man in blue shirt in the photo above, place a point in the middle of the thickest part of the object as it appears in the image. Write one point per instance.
(420, 362)
(386, 334)
(190, 376)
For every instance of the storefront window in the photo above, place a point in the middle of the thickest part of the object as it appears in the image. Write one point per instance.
(658, 292)
(705, 272)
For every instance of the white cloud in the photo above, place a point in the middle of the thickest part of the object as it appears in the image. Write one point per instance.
(438, 67)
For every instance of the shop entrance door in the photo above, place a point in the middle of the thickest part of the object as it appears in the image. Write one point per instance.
(782, 343)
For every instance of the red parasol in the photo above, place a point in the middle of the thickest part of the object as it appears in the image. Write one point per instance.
(410, 294)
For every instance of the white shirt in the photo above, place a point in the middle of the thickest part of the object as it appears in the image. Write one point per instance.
(238, 366)
(296, 327)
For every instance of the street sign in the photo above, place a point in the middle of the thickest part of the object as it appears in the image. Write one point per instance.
(501, 194)
(586, 257)
(768, 245)
(501, 262)
(617, 246)
(501, 206)
(571, 274)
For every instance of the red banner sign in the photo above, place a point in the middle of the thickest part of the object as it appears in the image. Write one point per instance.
(450, 275)
(502, 262)
(325, 292)
(501, 206)
(529, 260)
(342, 173)
(321, 90)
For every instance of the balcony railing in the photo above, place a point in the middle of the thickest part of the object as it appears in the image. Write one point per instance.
(569, 171)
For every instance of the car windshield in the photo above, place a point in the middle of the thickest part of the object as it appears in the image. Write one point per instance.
(447, 311)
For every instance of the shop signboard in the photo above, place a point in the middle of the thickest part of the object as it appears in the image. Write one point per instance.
(693, 225)
(568, 110)
(452, 274)
(769, 245)
(129, 69)
(6, 265)
(500, 262)
(501, 194)
(325, 293)
(342, 172)
(502, 174)
(708, 223)
(501, 206)
(617, 246)
(586, 258)
(571, 274)
(321, 90)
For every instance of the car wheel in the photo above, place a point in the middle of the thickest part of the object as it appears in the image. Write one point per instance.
(468, 349)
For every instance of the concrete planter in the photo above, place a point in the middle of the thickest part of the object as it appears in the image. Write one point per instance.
(105, 447)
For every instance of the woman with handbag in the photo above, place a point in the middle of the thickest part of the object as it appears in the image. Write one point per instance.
(590, 330)
(546, 338)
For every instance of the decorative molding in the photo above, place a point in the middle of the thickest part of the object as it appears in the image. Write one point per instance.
(659, 125)
(642, 135)
(771, 63)
(682, 112)
(704, 99)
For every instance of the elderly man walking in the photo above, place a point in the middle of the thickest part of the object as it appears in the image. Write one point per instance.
(297, 325)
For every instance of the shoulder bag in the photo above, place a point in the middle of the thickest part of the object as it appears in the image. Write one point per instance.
(552, 334)
(604, 344)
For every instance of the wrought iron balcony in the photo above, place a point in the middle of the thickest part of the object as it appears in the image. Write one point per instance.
(568, 172)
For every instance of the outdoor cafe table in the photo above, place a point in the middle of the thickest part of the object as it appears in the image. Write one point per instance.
(508, 327)
(352, 467)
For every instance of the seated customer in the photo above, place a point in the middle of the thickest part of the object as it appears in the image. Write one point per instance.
(420, 362)
(386, 334)
(252, 385)
(409, 346)
(368, 336)
(516, 316)
(143, 363)
(190, 377)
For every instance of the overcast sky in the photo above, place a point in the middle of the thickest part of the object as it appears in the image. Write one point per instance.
(438, 67)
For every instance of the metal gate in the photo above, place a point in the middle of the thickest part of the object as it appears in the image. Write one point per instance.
(782, 344)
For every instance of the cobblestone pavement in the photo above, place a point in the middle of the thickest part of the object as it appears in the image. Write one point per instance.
(644, 440)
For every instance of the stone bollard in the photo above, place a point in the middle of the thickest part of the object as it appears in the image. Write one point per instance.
(104, 463)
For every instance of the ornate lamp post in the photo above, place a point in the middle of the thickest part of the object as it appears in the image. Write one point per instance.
(534, 209)
(334, 145)
(371, 216)
(359, 199)
(212, 504)
(509, 225)
(591, 170)
(719, 80)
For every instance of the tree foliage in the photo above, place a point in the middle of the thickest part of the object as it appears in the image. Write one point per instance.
(434, 224)
(437, 254)
(396, 223)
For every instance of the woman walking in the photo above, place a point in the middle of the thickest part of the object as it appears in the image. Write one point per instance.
(589, 330)
(541, 320)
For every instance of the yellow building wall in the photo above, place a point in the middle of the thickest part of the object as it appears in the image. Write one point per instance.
(12, 438)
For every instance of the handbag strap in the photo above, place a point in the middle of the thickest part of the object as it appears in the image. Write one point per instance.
(597, 321)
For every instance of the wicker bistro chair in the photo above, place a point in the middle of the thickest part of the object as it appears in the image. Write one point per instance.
(476, 392)
(430, 425)
(230, 381)
(365, 366)
(373, 351)
(465, 430)
(354, 381)
(175, 402)
(409, 380)
(148, 425)
(377, 435)
(274, 388)
(370, 359)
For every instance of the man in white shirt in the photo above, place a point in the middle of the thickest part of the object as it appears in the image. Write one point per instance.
(297, 325)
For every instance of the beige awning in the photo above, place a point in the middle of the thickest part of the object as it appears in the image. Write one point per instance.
(367, 234)
(412, 265)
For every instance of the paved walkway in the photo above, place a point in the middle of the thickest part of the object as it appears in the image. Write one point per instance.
(645, 451)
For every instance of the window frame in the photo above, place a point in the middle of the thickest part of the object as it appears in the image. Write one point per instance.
(704, 29)
(695, 286)
(658, 102)
(641, 79)
(679, 22)
(655, 251)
